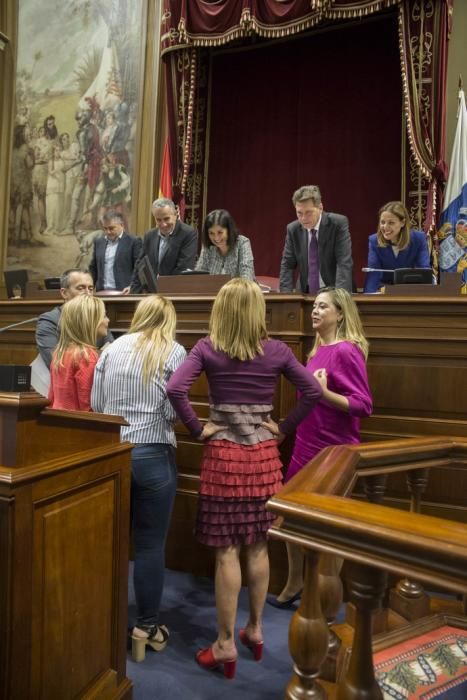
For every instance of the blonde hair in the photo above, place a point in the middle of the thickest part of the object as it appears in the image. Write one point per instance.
(350, 326)
(238, 320)
(79, 321)
(155, 319)
(398, 209)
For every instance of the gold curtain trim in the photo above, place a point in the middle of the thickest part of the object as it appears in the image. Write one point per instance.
(250, 25)
(405, 80)
(356, 11)
(189, 122)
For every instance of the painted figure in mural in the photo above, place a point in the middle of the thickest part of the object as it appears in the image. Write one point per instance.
(22, 118)
(130, 145)
(119, 150)
(71, 168)
(115, 133)
(50, 128)
(55, 191)
(113, 189)
(21, 189)
(108, 132)
(39, 176)
(34, 135)
(87, 137)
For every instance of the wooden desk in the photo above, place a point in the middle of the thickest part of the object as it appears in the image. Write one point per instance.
(417, 369)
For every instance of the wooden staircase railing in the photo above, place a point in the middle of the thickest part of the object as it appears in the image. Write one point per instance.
(373, 539)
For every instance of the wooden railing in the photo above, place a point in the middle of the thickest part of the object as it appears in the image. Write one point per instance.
(373, 540)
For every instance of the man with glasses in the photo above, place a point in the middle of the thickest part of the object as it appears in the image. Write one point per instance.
(114, 254)
(318, 245)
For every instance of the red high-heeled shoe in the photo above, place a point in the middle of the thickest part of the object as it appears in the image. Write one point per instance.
(206, 659)
(256, 648)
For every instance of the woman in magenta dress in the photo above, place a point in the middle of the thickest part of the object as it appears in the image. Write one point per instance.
(241, 468)
(337, 361)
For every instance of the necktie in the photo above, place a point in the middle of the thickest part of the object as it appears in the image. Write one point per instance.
(313, 264)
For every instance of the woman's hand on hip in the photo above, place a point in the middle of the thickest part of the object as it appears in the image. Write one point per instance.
(209, 430)
(273, 428)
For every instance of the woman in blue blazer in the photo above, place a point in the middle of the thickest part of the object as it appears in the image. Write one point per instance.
(394, 246)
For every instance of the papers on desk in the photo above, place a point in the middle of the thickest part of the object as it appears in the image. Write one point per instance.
(40, 376)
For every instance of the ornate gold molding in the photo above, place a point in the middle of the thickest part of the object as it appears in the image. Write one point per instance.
(8, 24)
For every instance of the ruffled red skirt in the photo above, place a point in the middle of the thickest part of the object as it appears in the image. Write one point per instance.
(236, 482)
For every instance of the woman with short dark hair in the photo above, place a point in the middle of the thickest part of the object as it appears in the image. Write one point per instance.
(224, 250)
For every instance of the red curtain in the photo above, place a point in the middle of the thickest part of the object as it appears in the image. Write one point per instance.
(304, 116)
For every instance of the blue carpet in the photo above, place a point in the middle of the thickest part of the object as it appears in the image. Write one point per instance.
(189, 612)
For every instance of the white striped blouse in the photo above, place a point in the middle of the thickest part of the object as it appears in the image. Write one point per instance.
(118, 389)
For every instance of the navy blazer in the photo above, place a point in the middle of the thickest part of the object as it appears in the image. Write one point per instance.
(382, 257)
(128, 251)
(179, 254)
(334, 249)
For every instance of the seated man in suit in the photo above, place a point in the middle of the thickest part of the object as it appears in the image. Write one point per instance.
(171, 247)
(318, 244)
(114, 254)
(72, 283)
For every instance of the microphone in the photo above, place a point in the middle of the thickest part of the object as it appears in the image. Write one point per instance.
(19, 323)
(375, 269)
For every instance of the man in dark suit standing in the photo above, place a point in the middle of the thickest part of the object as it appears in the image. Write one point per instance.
(318, 244)
(114, 254)
(171, 246)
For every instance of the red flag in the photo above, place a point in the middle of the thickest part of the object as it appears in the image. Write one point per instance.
(165, 183)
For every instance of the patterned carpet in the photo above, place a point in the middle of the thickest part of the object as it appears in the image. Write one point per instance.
(432, 665)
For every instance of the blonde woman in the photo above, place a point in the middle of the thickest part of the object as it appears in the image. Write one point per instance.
(337, 361)
(130, 381)
(83, 322)
(394, 246)
(241, 468)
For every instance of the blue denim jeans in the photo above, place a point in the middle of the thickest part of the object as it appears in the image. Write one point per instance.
(153, 487)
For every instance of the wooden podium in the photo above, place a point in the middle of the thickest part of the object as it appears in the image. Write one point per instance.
(64, 537)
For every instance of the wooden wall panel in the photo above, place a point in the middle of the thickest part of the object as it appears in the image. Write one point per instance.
(6, 514)
(69, 571)
(417, 369)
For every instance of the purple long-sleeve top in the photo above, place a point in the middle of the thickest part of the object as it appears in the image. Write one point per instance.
(234, 381)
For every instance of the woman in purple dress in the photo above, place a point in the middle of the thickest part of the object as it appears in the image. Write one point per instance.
(241, 468)
(337, 361)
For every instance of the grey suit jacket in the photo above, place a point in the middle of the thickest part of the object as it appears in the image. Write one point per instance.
(335, 254)
(179, 254)
(128, 251)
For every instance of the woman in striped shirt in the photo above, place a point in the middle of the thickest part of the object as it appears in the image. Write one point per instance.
(130, 381)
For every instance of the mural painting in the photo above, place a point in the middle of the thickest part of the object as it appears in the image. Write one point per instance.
(78, 74)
